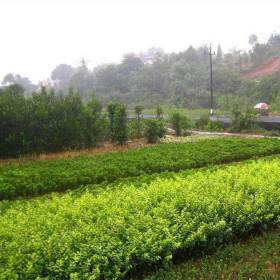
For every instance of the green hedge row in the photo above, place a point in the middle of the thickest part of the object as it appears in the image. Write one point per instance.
(110, 235)
(39, 177)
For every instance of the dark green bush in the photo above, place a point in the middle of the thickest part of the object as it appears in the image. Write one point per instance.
(202, 122)
(154, 130)
(138, 111)
(47, 122)
(117, 122)
(242, 118)
(179, 122)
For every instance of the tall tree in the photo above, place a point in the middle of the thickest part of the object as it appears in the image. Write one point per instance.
(253, 39)
(219, 56)
(62, 72)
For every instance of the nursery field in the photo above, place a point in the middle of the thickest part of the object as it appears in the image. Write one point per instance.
(38, 177)
(159, 204)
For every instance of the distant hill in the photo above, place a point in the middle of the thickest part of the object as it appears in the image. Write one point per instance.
(268, 67)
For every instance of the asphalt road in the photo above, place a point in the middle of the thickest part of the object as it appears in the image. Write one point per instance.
(261, 119)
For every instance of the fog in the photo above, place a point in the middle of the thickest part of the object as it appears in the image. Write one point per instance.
(37, 35)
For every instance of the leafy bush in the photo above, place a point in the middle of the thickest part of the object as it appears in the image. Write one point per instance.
(179, 122)
(117, 232)
(242, 118)
(154, 130)
(38, 177)
(117, 122)
(204, 123)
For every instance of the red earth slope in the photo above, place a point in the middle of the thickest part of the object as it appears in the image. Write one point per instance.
(269, 67)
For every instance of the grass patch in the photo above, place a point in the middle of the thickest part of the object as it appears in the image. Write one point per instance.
(257, 257)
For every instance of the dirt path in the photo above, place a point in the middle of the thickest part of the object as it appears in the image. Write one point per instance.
(106, 147)
(245, 135)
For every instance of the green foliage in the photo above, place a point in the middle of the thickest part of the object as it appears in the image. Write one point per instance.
(159, 112)
(112, 234)
(138, 111)
(120, 124)
(242, 118)
(179, 122)
(204, 123)
(47, 122)
(256, 257)
(154, 130)
(161, 128)
(117, 122)
(33, 178)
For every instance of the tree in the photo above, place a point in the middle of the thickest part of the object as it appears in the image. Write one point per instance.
(154, 130)
(259, 53)
(111, 109)
(24, 82)
(120, 124)
(82, 81)
(138, 111)
(274, 41)
(62, 72)
(219, 56)
(253, 39)
(179, 122)
(130, 63)
(159, 112)
(8, 79)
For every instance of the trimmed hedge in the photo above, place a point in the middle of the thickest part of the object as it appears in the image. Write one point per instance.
(117, 232)
(40, 177)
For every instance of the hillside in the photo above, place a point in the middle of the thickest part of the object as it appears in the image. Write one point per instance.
(268, 67)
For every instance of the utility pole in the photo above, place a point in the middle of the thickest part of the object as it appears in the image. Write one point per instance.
(211, 79)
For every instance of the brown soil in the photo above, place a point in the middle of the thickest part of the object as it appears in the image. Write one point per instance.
(267, 68)
(107, 147)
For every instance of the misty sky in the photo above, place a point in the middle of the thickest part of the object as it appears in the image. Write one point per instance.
(36, 35)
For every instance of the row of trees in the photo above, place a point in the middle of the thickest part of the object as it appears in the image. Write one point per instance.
(180, 79)
(47, 122)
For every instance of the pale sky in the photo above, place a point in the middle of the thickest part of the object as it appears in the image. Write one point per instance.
(37, 35)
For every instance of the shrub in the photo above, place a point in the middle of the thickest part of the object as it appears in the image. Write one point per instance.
(159, 112)
(179, 122)
(202, 122)
(117, 122)
(33, 178)
(138, 111)
(120, 124)
(109, 235)
(154, 130)
(242, 118)
(47, 122)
